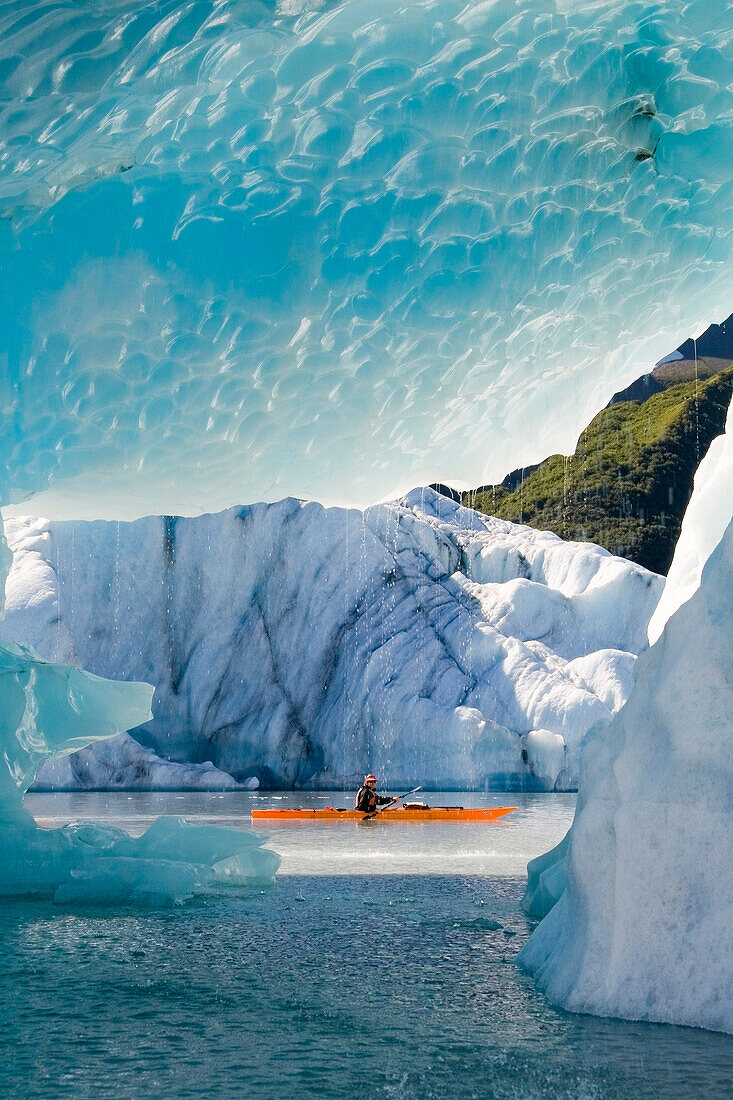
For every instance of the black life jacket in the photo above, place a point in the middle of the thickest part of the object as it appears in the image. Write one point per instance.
(366, 800)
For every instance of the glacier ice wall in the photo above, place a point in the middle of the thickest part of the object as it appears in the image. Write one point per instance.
(250, 250)
(303, 645)
(643, 928)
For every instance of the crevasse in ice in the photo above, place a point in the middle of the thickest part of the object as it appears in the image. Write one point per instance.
(301, 645)
(642, 927)
(338, 250)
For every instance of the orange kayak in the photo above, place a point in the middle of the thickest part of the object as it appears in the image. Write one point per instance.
(400, 815)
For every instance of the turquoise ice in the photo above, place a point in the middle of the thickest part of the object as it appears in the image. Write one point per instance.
(52, 709)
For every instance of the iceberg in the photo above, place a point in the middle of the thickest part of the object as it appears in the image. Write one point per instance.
(298, 645)
(50, 710)
(640, 892)
(122, 763)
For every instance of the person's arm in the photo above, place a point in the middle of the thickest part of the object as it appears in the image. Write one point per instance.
(383, 799)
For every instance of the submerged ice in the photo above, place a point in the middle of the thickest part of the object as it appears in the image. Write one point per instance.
(301, 645)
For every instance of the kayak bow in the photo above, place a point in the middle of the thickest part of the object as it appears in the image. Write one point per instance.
(400, 815)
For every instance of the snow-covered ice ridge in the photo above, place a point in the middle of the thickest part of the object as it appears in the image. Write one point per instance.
(302, 645)
(336, 250)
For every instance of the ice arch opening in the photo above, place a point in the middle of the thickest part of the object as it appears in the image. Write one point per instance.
(249, 252)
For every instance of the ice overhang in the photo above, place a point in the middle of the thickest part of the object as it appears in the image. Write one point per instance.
(338, 254)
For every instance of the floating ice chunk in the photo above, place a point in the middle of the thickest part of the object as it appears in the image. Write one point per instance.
(172, 862)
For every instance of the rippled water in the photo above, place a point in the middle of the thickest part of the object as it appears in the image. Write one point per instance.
(327, 985)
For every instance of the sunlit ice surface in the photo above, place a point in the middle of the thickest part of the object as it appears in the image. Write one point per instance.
(642, 929)
(339, 249)
(295, 644)
(340, 848)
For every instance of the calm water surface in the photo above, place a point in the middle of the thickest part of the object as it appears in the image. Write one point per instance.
(399, 982)
(344, 848)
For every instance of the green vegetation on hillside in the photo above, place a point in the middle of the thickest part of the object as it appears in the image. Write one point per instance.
(629, 481)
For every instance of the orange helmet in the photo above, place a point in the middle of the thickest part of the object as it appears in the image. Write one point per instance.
(370, 778)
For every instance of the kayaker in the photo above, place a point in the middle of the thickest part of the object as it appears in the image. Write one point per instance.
(367, 798)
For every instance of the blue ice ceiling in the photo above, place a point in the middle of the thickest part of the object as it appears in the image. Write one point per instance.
(335, 250)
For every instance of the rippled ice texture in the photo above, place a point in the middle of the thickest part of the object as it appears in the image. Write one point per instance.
(341, 249)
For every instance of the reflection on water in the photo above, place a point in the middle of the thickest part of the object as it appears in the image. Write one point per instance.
(344, 848)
